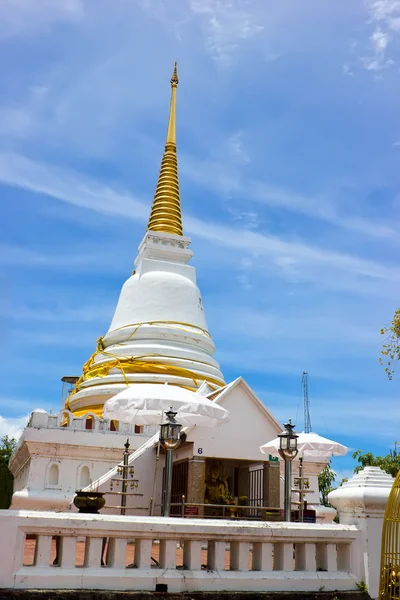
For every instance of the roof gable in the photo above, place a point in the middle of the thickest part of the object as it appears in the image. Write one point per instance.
(250, 426)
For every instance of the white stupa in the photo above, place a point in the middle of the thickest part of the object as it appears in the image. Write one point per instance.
(159, 331)
(158, 335)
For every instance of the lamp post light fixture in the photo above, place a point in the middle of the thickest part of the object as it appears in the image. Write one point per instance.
(170, 438)
(288, 451)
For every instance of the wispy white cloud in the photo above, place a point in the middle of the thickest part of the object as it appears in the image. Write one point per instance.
(12, 426)
(386, 11)
(224, 177)
(385, 16)
(379, 42)
(347, 70)
(79, 191)
(64, 185)
(227, 25)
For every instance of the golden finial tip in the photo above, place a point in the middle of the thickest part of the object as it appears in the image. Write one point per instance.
(165, 213)
(174, 78)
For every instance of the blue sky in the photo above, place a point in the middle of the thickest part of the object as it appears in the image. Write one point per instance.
(289, 150)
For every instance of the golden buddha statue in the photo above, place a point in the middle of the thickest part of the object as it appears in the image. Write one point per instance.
(216, 489)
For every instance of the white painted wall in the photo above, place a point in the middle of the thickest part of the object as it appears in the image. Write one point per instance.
(250, 425)
(45, 446)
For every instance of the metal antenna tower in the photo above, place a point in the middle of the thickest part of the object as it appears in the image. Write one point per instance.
(307, 420)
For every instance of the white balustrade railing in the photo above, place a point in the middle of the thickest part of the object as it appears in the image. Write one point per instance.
(59, 550)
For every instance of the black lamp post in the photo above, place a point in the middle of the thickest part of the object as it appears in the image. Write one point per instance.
(288, 451)
(170, 438)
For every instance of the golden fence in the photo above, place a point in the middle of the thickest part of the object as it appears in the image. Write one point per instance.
(389, 585)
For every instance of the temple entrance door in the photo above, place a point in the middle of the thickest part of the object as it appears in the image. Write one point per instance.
(256, 490)
(179, 486)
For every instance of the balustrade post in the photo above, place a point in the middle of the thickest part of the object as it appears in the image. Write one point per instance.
(344, 557)
(167, 554)
(331, 557)
(192, 555)
(67, 552)
(326, 557)
(93, 550)
(240, 556)
(216, 555)
(143, 553)
(305, 557)
(262, 556)
(283, 557)
(116, 553)
(43, 550)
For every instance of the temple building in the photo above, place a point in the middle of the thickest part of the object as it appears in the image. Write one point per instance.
(158, 334)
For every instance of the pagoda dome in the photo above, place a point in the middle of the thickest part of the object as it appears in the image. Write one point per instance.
(159, 332)
(159, 295)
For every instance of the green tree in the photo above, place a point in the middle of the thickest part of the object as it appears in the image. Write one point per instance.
(7, 447)
(390, 463)
(391, 347)
(325, 481)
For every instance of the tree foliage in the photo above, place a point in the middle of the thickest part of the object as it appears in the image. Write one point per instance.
(7, 446)
(325, 481)
(391, 347)
(389, 463)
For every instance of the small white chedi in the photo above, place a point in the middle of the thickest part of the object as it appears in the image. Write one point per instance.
(158, 335)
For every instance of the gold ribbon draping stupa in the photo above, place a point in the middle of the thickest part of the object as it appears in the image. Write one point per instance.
(141, 364)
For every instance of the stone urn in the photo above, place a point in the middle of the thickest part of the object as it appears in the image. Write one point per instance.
(89, 502)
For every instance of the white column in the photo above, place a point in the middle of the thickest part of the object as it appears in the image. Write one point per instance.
(67, 552)
(361, 501)
(331, 557)
(167, 554)
(283, 557)
(93, 548)
(42, 551)
(305, 557)
(326, 557)
(239, 556)
(143, 553)
(116, 553)
(192, 555)
(216, 555)
(262, 556)
(344, 557)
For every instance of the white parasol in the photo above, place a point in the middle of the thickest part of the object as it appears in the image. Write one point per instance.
(146, 403)
(310, 445)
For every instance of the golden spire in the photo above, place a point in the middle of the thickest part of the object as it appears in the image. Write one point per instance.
(166, 210)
